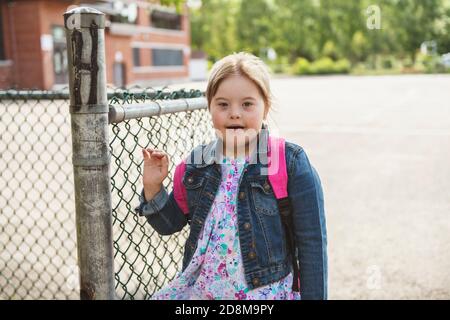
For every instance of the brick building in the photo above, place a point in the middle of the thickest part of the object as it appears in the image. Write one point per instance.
(146, 44)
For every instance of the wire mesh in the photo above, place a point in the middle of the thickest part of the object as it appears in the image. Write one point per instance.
(38, 254)
(144, 260)
(37, 221)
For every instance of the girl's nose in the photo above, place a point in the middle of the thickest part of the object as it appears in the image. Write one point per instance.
(235, 113)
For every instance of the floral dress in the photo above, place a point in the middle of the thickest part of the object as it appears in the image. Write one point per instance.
(216, 269)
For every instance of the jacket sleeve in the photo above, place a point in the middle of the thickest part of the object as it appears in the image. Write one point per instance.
(306, 194)
(162, 212)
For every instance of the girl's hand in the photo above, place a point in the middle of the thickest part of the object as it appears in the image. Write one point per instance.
(156, 169)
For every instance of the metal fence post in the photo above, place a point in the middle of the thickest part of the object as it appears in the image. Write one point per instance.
(90, 144)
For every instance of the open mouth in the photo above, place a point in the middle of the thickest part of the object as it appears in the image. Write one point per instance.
(235, 127)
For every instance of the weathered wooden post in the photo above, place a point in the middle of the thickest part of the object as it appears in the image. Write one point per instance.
(91, 159)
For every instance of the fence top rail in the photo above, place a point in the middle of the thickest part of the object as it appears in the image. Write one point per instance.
(122, 96)
(119, 113)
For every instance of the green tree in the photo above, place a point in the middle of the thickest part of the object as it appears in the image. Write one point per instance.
(254, 25)
(314, 28)
(330, 50)
(359, 47)
(213, 27)
(443, 28)
(295, 29)
(413, 21)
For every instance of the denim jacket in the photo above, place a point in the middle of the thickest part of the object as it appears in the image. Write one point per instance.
(261, 234)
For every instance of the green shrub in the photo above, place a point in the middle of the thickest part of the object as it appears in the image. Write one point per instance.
(342, 66)
(408, 63)
(430, 64)
(387, 63)
(301, 67)
(323, 66)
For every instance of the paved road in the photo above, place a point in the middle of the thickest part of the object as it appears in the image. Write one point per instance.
(382, 148)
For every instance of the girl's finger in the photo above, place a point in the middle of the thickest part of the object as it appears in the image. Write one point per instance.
(165, 160)
(146, 154)
(158, 153)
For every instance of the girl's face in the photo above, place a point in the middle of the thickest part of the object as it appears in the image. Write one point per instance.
(237, 110)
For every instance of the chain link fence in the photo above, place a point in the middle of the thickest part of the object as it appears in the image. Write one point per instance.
(144, 261)
(38, 258)
(37, 222)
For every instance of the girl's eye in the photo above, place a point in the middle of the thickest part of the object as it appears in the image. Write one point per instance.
(247, 104)
(222, 104)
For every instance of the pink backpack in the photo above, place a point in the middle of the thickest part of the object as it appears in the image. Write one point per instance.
(278, 179)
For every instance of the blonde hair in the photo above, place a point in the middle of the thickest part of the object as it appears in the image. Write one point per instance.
(242, 64)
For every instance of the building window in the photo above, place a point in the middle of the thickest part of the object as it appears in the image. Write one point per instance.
(2, 46)
(124, 12)
(60, 68)
(167, 57)
(136, 57)
(165, 20)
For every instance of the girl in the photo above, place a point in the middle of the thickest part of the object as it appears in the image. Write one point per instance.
(237, 246)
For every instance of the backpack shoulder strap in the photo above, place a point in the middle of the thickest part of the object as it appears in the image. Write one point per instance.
(278, 179)
(179, 191)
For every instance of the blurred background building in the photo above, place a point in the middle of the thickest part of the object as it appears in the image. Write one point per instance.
(146, 43)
